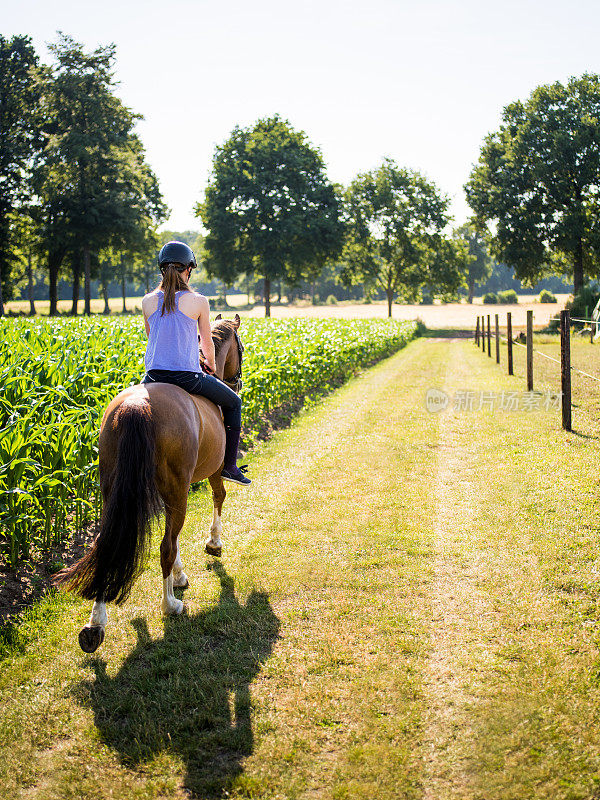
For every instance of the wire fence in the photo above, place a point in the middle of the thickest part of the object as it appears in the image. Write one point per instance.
(483, 337)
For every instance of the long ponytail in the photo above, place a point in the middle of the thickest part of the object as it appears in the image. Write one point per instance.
(172, 282)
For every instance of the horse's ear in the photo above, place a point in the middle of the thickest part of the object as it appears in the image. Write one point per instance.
(236, 321)
(217, 317)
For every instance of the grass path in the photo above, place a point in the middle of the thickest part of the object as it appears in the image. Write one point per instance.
(406, 607)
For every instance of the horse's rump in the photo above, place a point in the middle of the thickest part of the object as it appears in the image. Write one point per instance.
(188, 429)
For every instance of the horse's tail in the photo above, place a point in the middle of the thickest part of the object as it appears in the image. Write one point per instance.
(110, 567)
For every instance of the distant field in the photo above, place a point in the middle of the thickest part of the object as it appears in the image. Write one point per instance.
(64, 306)
(451, 315)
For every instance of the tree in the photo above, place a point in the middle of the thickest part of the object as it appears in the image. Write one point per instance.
(95, 188)
(395, 218)
(268, 207)
(479, 266)
(19, 138)
(538, 181)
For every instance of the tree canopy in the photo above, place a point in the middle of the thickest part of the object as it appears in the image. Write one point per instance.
(395, 220)
(95, 188)
(538, 182)
(269, 207)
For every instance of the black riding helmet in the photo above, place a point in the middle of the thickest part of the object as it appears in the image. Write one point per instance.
(176, 253)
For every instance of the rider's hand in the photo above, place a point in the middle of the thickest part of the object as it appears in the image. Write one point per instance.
(210, 366)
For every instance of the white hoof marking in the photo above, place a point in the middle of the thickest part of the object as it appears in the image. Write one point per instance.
(171, 607)
(170, 604)
(98, 617)
(179, 580)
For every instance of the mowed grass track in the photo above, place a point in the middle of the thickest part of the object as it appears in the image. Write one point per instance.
(407, 607)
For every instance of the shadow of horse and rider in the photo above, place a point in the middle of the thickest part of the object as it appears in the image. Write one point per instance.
(188, 692)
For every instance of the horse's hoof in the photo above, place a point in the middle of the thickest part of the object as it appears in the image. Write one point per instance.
(213, 550)
(174, 608)
(91, 637)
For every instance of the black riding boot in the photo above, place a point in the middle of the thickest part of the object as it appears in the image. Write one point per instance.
(231, 472)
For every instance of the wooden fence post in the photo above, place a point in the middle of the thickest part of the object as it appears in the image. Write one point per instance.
(509, 342)
(477, 332)
(530, 351)
(497, 340)
(483, 333)
(489, 336)
(565, 367)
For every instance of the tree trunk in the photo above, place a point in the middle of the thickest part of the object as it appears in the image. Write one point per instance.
(53, 287)
(30, 284)
(279, 292)
(267, 294)
(578, 278)
(222, 294)
(87, 282)
(390, 298)
(104, 286)
(76, 277)
(123, 283)
(471, 284)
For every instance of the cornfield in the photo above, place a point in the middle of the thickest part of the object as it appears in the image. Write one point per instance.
(58, 375)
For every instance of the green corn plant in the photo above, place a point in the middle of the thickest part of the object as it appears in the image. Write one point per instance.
(57, 376)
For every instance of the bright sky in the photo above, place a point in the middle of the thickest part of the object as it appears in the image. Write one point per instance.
(421, 81)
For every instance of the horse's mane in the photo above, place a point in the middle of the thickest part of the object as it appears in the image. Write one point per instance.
(222, 331)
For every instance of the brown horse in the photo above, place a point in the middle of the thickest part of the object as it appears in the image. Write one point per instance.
(155, 440)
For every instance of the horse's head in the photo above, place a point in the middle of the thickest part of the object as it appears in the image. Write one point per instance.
(228, 351)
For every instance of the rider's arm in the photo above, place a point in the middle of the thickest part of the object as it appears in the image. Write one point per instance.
(144, 311)
(206, 342)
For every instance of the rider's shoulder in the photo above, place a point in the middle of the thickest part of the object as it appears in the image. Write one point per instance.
(199, 299)
(147, 299)
(193, 304)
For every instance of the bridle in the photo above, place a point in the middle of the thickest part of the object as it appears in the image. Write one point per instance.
(235, 383)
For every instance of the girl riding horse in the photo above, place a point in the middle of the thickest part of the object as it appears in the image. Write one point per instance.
(158, 438)
(173, 315)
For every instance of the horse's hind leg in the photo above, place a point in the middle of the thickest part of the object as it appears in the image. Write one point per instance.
(175, 507)
(180, 579)
(91, 635)
(214, 544)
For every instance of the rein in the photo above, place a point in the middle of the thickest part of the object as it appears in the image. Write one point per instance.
(236, 382)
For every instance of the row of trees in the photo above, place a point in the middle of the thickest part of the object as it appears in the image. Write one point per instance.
(535, 195)
(76, 190)
(77, 196)
(270, 211)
